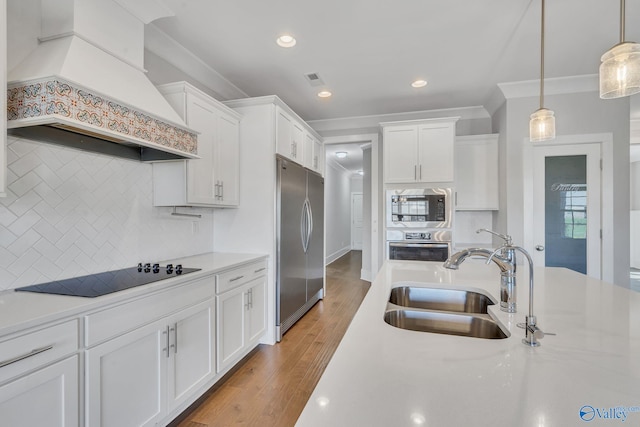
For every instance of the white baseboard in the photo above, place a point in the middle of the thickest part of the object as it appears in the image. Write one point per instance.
(337, 254)
(366, 275)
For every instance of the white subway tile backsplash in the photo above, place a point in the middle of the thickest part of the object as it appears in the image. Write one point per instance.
(25, 164)
(23, 204)
(48, 231)
(47, 249)
(6, 237)
(6, 259)
(70, 212)
(47, 193)
(24, 262)
(6, 216)
(48, 176)
(24, 243)
(25, 223)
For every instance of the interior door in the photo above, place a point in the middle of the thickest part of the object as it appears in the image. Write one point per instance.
(566, 207)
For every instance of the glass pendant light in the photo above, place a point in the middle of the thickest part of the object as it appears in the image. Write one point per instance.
(542, 124)
(620, 68)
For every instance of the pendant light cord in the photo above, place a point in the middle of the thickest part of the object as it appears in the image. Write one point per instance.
(542, 57)
(622, 7)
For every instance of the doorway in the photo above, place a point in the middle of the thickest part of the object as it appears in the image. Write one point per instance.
(567, 207)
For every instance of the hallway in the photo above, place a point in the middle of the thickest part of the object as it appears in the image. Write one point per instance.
(273, 385)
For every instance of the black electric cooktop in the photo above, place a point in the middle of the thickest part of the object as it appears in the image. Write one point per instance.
(95, 285)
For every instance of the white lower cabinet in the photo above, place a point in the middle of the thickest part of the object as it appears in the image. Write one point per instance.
(138, 378)
(39, 377)
(47, 397)
(241, 320)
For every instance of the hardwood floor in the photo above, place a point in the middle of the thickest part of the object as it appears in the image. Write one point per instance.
(273, 385)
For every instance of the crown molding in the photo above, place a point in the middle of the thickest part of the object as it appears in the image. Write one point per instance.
(552, 86)
(373, 121)
(160, 44)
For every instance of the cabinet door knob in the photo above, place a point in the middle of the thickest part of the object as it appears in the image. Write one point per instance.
(539, 248)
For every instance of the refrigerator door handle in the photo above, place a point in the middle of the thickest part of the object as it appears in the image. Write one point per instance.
(304, 227)
(309, 222)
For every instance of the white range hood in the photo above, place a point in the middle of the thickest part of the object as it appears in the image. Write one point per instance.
(86, 76)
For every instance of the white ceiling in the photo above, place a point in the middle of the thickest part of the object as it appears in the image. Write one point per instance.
(368, 51)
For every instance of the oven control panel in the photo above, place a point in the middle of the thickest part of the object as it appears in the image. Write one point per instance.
(417, 236)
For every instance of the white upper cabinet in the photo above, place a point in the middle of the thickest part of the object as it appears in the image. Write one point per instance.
(283, 129)
(419, 151)
(289, 136)
(476, 171)
(213, 179)
(400, 153)
(313, 153)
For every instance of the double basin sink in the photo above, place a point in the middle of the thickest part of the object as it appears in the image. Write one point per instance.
(443, 311)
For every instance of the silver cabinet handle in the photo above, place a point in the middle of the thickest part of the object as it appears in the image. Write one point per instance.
(166, 349)
(539, 248)
(260, 269)
(420, 172)
(174, 329)
(236, 279)
(251, 298)
(415, 172)
(25, 356)
(221, 190)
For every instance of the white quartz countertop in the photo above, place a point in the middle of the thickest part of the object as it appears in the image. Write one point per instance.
(585, 375)
(22, 310)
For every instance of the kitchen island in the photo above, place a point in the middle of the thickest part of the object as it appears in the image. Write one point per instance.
(381, 375)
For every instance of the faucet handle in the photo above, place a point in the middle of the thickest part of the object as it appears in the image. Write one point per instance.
(504, 237)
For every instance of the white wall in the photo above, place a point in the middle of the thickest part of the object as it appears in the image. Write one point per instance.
(634, 231)
(366, 273)
(356, 183)
(70, 212)
(337, 211)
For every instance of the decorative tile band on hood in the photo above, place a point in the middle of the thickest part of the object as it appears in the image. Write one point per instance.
(56, 102)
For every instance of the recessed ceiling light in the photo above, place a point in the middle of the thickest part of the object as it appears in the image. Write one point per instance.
(419, 83)
(341, 154)
(324, 94)
(286, 40)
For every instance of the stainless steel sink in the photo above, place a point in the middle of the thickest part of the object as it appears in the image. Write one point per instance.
(456, 300)
(445, 323)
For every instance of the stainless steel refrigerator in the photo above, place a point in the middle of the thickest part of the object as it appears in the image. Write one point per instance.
(300, 242)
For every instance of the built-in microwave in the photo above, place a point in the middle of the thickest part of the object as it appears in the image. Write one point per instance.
(419, 207)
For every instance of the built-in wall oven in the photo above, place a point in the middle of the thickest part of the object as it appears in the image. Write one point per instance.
(419, 208)
(418, 245)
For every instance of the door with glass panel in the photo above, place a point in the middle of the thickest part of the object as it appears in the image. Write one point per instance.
(566, 207)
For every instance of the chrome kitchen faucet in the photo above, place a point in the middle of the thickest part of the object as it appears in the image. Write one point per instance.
(505, 258)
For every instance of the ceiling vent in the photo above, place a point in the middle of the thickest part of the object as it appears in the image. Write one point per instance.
(314, 79)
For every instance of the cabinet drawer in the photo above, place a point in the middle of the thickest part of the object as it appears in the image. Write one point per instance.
(122, 318)
(35, 349)
(238, 276)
